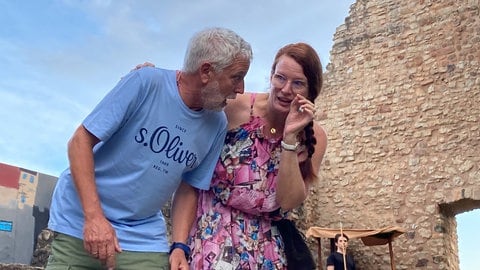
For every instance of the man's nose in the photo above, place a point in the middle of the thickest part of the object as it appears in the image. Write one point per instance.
(240, 88)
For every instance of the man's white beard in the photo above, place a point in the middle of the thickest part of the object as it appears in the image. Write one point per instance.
(212, 99)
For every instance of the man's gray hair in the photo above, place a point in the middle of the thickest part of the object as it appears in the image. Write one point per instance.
(218, 46)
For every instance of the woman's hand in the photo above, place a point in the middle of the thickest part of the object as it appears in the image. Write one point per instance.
(302, 112)
(146, 64)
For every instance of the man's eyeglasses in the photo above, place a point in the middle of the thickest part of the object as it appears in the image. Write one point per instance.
(279, 81)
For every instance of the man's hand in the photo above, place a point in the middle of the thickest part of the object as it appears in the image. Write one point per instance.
(100, 240)
(177, 260)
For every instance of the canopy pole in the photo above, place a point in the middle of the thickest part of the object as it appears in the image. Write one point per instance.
(390, 249)
(344, 248)
(319, 253)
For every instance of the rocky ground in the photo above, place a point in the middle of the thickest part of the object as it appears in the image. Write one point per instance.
(18, 267)
(40, 255)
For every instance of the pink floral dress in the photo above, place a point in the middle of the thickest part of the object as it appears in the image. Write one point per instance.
(233, 227)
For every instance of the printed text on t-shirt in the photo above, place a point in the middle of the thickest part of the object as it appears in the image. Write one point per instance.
(161, 141)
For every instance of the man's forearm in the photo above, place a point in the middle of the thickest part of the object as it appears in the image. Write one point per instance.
(184, 207)
(80, 155)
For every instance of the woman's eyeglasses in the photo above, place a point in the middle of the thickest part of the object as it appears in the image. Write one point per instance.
(280, 81)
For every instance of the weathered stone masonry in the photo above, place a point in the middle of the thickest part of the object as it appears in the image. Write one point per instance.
(401, 105)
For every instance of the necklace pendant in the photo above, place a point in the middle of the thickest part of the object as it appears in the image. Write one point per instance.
(273, 130)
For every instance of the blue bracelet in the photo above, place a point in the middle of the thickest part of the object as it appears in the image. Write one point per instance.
(185, 248)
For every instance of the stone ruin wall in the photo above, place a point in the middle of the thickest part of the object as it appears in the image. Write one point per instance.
(401, 106)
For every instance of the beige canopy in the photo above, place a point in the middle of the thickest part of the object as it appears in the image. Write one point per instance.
(370, 237)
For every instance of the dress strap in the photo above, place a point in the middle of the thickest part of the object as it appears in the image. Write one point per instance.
(252, 101)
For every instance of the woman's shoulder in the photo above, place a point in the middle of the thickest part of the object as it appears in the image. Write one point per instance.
(240, 100)
(239, 110)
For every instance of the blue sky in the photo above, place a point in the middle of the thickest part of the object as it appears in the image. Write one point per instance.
(58, 58)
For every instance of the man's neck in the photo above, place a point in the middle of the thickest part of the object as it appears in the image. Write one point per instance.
(189, 90)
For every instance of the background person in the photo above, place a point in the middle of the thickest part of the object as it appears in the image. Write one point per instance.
(335, 260)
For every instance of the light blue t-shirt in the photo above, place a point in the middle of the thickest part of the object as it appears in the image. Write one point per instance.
(150, 141)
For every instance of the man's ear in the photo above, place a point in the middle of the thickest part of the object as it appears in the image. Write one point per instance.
(206, 72)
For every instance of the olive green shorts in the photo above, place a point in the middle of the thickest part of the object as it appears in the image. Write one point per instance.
(68, 253)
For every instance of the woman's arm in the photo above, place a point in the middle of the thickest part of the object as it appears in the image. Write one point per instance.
(292, 189)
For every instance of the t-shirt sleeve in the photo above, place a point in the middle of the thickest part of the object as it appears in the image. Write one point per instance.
(201, 177)
(115, 108)
(330, 260)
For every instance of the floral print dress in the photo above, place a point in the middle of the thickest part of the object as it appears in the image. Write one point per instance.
(233, 227)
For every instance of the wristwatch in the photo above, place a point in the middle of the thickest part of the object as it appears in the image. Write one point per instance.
(182, 246)
(289, 147)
